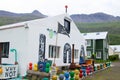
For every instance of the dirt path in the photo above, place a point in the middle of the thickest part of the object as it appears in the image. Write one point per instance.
(112, 73)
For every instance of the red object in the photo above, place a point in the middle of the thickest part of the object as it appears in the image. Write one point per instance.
(30, 64)
(80, 75)
(66, 6)
(88, 72)
(80, 71)
(30, 67)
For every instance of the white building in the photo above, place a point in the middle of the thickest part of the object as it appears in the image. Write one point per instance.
(36, 40)
(116, 49)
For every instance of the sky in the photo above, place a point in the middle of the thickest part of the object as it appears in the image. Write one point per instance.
(56, 7)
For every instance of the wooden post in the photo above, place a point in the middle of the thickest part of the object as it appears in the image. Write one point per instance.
(72, 65)
(72, 53)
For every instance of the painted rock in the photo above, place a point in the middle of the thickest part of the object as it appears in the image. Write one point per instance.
(54, 77)
(61, 77)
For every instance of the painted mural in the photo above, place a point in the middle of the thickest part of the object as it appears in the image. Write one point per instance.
(42, 43)
(67, 51)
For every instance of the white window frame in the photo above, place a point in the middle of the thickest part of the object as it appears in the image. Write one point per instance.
(52, 51)
(89, 54)
(99, 52)
(88, 42)
(76, 52)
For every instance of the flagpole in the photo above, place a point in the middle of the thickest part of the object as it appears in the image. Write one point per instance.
(54, 64)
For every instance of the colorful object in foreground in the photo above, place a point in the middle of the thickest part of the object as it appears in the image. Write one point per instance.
(61, 77)
(35, 68)
(77, 75)
(47, 69)
(30, 66)
(66, 75)
(72, 75)
(1, 70)
(54, 77)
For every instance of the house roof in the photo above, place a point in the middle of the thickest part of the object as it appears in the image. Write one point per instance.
(116, 48)
(95, 35)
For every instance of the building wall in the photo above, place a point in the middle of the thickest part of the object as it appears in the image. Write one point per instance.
(18, 40)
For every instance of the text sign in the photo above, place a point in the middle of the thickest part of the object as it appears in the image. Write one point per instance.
(9, 71)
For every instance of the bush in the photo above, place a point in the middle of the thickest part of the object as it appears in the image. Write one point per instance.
(114, 57)
(101, 61)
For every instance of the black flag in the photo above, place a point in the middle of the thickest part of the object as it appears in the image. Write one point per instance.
(62, 30)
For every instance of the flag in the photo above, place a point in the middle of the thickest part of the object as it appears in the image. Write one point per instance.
(62, 30)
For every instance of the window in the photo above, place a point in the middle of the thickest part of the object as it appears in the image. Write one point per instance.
(54, 51)
(76, 54)
(89, 53)
(88, 42)
(4, 49)
(67, 25)
(98, 55)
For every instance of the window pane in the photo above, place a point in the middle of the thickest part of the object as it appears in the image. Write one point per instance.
(76, 53)
(4, 49)
(54, 51)
(67, 25)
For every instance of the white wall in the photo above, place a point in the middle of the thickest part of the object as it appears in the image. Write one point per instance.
(18, 40)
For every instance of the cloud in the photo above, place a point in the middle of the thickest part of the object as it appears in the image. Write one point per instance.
(54, 7)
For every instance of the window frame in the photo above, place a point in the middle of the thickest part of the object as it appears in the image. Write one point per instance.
(99, 52)
(5, 49)
(67, 25)
(52, 51)
(88, 42)
(89, 53)
(76, 53)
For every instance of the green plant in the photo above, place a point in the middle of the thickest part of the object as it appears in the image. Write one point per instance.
(114, 57)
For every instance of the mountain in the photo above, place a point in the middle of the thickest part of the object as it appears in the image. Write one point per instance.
(96, 17)
(10, 17)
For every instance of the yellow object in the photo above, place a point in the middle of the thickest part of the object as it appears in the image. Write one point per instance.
(1, 70)
(77, 77)
(54, 77)
(104, 65)
(35, 68)
(76, 72)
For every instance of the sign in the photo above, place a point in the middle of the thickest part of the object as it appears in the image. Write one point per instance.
(9, 71)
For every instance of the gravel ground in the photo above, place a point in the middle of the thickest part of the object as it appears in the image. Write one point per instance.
(112, 73)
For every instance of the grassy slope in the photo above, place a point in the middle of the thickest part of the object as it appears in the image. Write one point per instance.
(112, 27)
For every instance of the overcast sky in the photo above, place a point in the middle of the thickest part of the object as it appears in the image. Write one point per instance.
(56, 7)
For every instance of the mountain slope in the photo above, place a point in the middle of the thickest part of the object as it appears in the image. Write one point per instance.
(113, 29)
(9, 17)
(96, 17)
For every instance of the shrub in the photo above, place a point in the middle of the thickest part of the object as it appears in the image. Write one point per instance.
(114, 57)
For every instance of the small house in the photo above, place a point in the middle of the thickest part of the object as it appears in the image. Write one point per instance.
(48, 38)
(97, 44)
